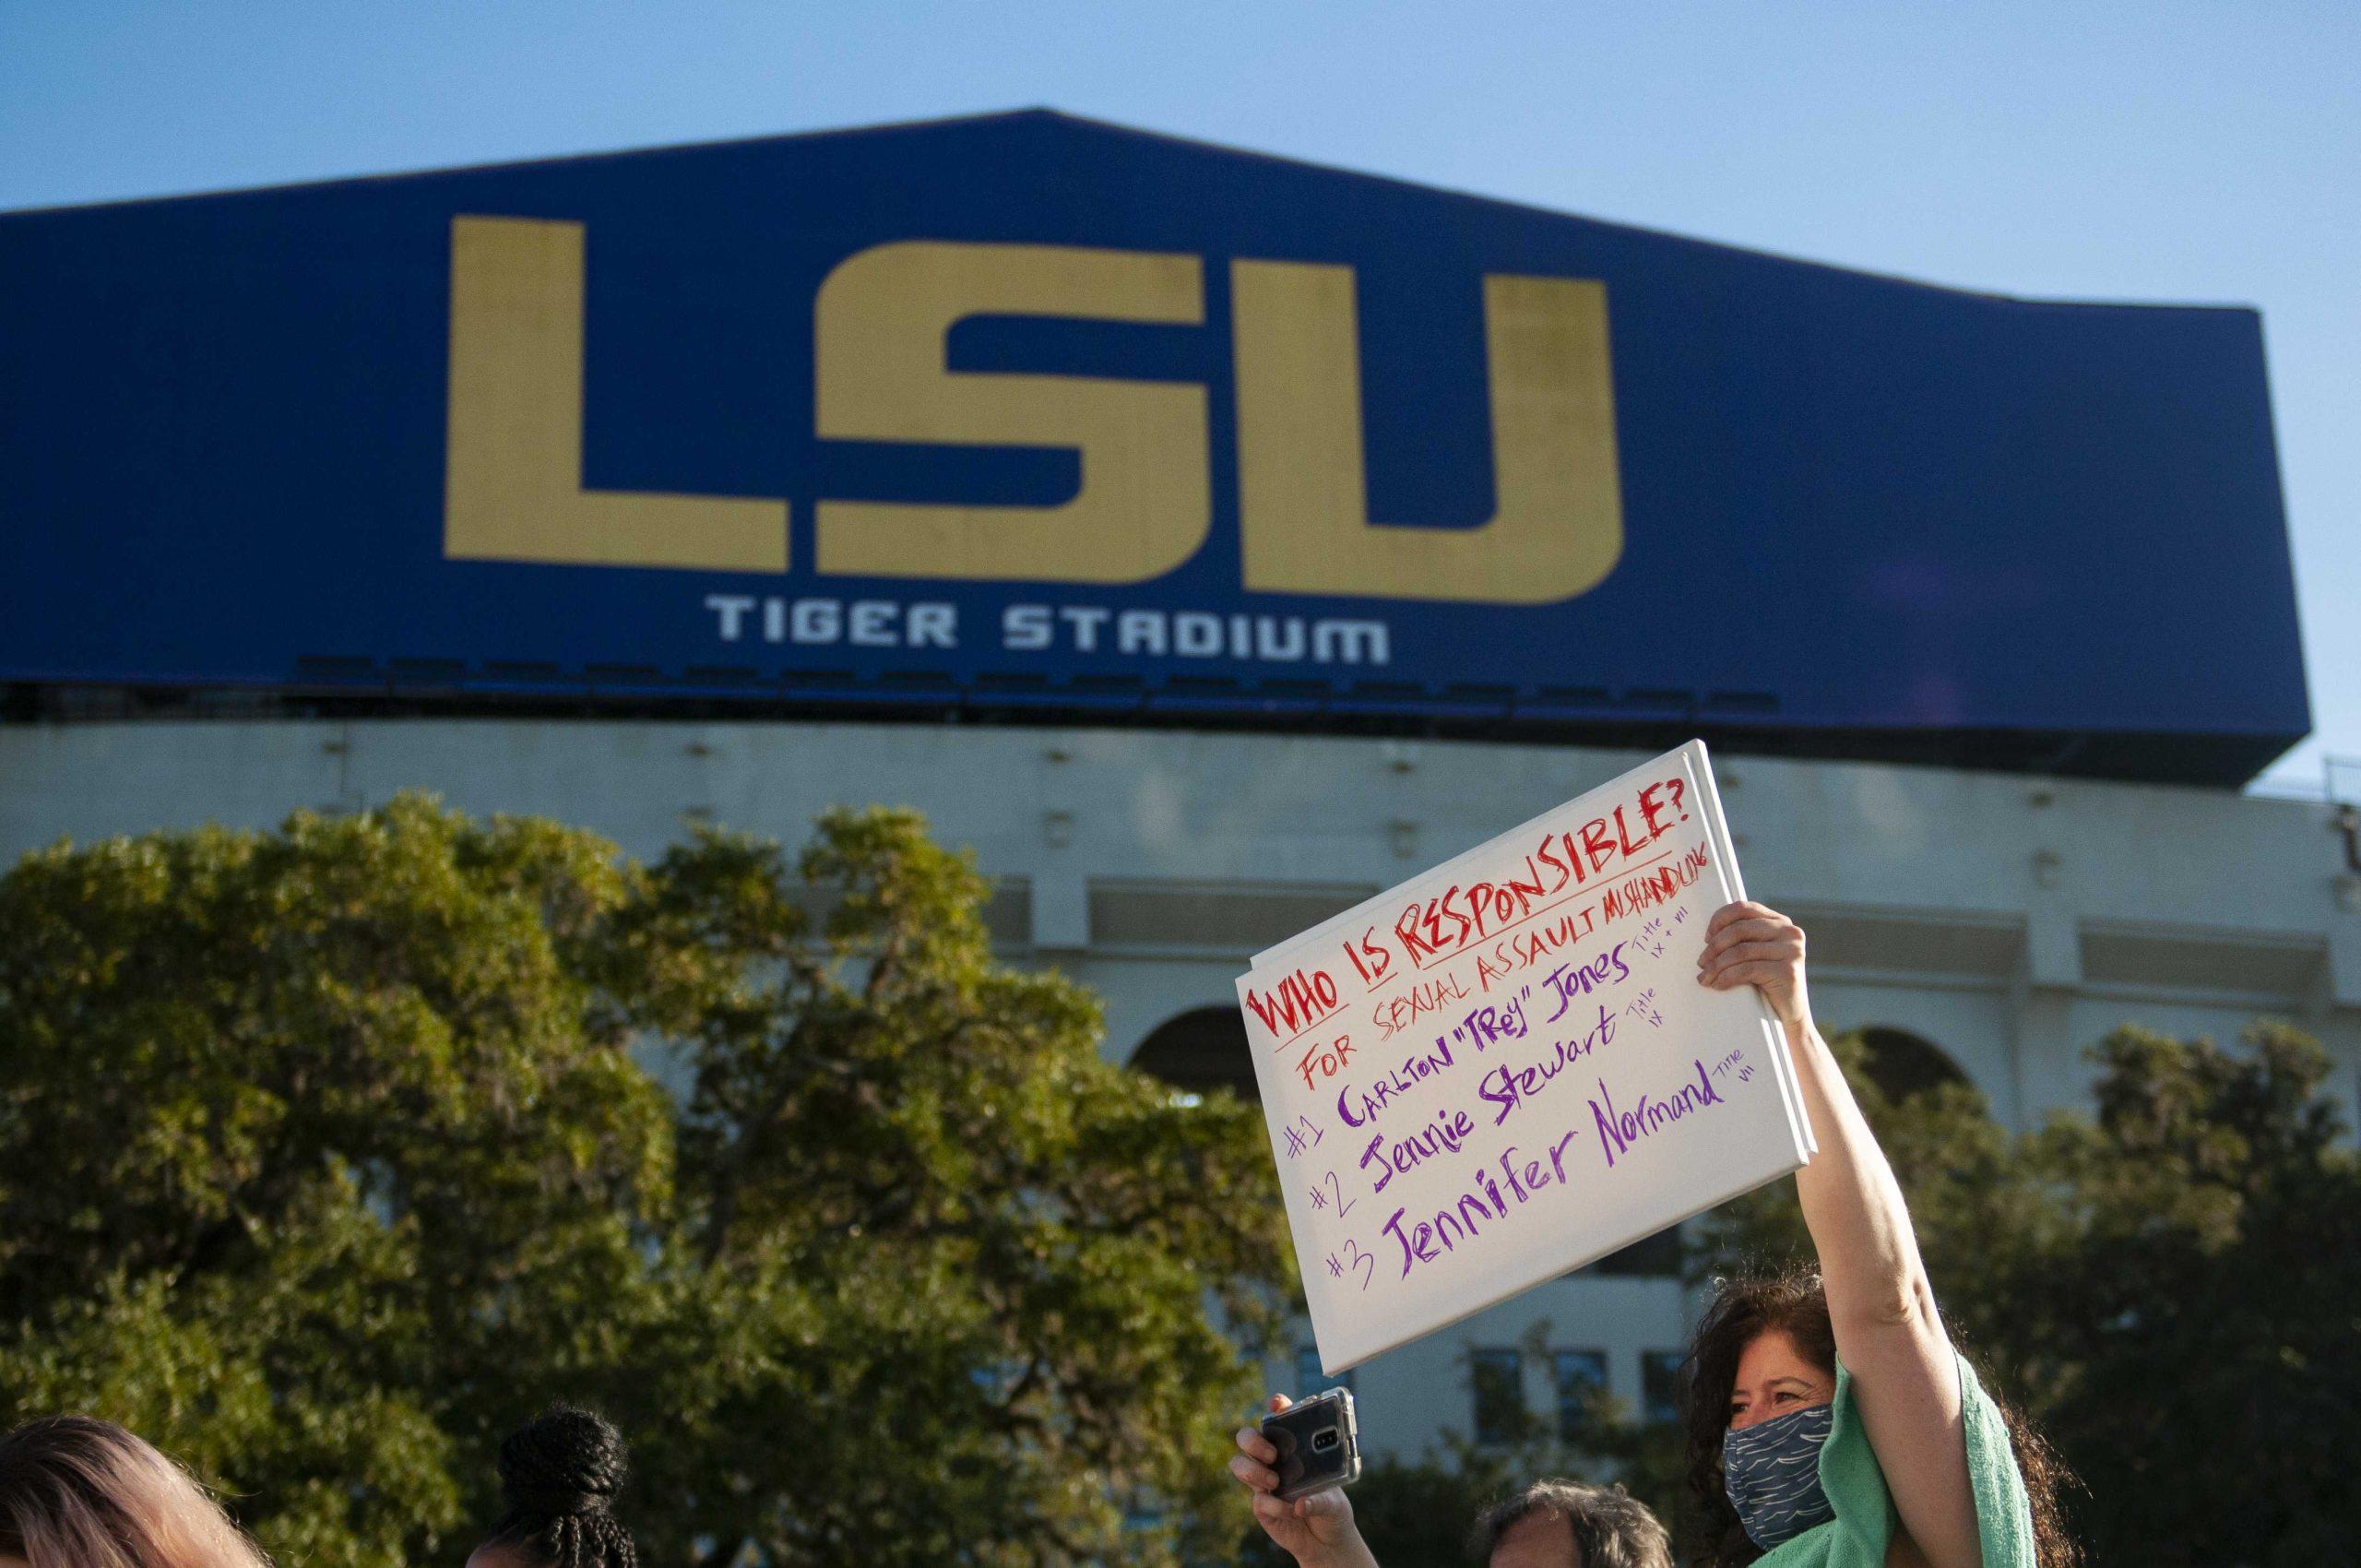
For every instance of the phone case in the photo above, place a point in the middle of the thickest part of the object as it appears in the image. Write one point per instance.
(1318, 1442)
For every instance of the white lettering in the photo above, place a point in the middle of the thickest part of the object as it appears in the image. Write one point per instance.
(872, 623)
(818, 620)
(1269, 645)
(1350, 642)
(1140, 631)
(1038, 628)
(1196, 634)
(1085, 620)
(731, 608)
(1027, 627)
(932, 626)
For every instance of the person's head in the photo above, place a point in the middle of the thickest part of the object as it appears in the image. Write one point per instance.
(1762, 1375)
(76, 1492)
(1562, 1523)
(559, 1473)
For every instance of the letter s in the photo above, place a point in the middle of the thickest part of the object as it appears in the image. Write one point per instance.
(1144, 505)
(1027, 627)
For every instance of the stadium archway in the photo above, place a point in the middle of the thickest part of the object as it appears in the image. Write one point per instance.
(1202, 1049)
(1903, 1064)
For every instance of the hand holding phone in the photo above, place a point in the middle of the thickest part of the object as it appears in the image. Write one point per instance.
(1317, 1442)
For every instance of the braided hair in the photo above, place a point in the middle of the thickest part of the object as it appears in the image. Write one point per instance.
(559, 1473)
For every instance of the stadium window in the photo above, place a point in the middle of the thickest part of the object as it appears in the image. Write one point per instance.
(1309, 1379)
(1496, 1382)
(1660, 1386)
(1581, 1377)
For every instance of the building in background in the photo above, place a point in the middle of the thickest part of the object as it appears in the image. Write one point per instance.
(1210, 541)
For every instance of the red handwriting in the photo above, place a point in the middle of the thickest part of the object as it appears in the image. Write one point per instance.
(1369, 960)
(1303, 999)
(1439, 927)
(1513, 952)
(1325, 1061)
(1398, 1013)
(1662, 885)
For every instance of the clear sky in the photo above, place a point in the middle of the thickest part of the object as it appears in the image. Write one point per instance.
(2149, 151)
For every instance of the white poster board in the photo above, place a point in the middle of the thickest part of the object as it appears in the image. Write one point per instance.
(1505, 1068)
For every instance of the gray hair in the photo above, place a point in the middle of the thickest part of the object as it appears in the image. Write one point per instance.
(1612, 1528)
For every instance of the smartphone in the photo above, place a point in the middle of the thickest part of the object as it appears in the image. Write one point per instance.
(1319, 1445)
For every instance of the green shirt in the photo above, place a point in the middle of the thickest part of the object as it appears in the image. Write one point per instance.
(1856, 1538)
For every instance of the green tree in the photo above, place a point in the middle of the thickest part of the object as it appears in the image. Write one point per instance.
(1007, 1272)
(327, 1155)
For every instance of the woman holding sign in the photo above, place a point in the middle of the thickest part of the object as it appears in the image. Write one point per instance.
(1829, 1420)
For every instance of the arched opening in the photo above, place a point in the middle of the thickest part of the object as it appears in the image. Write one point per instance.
(1903, 1064)
(1202, 1049)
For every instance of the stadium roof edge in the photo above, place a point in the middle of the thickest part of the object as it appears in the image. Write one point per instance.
(1116, 128)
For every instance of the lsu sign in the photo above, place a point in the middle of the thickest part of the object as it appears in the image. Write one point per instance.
(1030, 411)
(1144, 505)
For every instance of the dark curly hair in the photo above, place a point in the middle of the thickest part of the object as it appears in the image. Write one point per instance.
(559, 1473)
(1794, 1302)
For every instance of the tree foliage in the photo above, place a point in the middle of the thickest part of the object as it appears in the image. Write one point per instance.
(328, 1155)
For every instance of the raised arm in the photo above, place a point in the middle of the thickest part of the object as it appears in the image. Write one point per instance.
(1888, 1333)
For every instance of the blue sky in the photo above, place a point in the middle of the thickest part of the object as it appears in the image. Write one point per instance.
(2156, 152)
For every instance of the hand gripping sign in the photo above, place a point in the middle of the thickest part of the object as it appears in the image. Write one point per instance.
(1504, 1068)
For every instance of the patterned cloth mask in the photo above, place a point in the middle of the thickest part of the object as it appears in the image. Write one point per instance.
(1772, 1473)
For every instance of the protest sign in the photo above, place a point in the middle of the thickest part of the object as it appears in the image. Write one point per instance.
(1505, 1068)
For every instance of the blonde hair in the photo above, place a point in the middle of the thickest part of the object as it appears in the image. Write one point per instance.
(76, 1492)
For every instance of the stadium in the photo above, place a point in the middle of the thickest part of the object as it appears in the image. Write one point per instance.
(1210, 541)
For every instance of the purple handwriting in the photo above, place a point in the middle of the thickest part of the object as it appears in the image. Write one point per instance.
(1618, 1129)
(1490, 1024)
(1444, 1135)
(1322, 1197)
(1359, 1107)
(1484, 1025)
(1462, 1219)
(1509, 1087)
(1353, 1258)
(1652, 936)
(1572, 980)
(1644, 1006)
(1302, 1134)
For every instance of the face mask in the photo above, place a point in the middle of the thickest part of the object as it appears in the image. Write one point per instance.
(1772, 1473)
